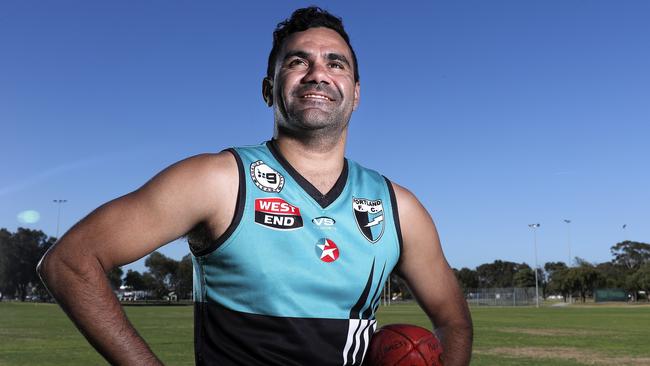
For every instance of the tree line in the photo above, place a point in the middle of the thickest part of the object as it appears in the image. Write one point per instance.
(629, 269)
(21, 251)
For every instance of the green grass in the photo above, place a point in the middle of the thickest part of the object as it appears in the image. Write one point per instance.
(40, 334)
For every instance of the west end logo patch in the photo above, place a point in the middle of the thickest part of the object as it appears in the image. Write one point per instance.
(327, 250)
(266, 178)
(369, 215)
(277, 214)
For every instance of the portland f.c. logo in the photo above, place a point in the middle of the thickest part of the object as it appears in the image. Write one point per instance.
(369, 215)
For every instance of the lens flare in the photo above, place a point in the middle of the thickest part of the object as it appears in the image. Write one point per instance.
(29, 217)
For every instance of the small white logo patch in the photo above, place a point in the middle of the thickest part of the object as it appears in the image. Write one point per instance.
(324, 222)
(266, 178)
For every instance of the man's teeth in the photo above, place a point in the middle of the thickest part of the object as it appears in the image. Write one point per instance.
(316, 96)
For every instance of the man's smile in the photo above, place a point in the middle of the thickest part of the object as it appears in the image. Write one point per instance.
(316, 96)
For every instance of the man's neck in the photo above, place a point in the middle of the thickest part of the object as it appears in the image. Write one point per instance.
(317, 160)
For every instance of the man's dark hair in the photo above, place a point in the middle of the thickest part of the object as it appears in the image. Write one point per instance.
(301, 20)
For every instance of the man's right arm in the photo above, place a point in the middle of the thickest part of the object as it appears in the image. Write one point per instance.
(199, 190)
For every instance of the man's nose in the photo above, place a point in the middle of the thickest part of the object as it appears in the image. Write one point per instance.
(317, 73)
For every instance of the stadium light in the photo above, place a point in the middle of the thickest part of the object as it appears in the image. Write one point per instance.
(534, 227)
(568, 240)
(58, 216)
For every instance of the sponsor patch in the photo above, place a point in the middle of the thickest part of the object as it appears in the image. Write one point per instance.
(277, 214)
(369, 215)
(266, 178)
(327, 250)
(324, 222)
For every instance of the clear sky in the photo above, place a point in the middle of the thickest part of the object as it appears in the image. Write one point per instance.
(496, 114)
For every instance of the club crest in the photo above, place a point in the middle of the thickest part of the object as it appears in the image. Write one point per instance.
(369, 215)
(266, 178)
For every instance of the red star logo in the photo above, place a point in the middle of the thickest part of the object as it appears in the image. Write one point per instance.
(329, 250)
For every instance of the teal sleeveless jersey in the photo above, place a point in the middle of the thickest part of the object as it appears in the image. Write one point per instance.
(297, 277)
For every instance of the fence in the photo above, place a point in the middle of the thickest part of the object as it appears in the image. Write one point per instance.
(610, 294)
(513, 296)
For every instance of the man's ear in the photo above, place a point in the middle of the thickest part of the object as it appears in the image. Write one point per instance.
(357, 95)
(267, 91)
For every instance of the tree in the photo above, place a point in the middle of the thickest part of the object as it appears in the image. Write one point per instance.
(556, 279)
(497, 274)
(398, 285)
(582, 279)
(115, 277)
(552, 267)
(183, 278)
(631, 254)
(134, 280)
(525, 277)
(467, 278)
(612, 275)
(21, 252)
(5, 237)
(163, 271)
(152, 285)
(640, 280)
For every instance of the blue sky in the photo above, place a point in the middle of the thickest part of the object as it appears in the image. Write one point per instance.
(495, 114)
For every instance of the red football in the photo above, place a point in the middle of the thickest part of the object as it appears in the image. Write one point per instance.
(403, 345)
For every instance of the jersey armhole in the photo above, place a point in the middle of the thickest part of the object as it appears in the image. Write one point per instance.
(393, 205)
(239, 210)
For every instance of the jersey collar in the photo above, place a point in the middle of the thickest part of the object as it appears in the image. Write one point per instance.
(323, 200)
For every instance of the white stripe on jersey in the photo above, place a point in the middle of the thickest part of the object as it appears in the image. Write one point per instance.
(354, 339)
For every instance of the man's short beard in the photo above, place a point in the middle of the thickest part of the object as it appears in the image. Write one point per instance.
(301, 127)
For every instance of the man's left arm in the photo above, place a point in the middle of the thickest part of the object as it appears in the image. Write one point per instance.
(433, 284)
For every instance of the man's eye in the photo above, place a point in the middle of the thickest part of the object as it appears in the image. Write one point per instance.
(336, 65)
(297, 62)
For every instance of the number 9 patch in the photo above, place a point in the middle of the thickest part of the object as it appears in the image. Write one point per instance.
(266, 178)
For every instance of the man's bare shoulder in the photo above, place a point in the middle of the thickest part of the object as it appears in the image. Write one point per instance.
(207, 166)
(199, 175)
(211, 184)
(407, 202)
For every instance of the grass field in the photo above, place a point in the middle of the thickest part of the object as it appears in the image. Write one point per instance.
(40, 334)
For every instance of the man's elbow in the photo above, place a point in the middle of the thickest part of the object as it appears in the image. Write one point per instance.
(45, 267)
(58, 265)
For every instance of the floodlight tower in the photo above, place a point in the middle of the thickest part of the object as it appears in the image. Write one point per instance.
(568, 239)
(58, 216)
(534, 227)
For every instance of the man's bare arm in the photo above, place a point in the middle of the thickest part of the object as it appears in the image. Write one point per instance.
(426, 271)
(127, 229)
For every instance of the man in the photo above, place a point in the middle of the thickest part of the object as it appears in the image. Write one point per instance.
(291, 241)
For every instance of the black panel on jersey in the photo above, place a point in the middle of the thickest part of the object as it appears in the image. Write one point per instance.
(369, 312)
(226, 337)
(239, 210)
(393, 203)
(323, 200)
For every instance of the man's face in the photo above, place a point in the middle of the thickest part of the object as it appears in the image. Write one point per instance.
(314, 85)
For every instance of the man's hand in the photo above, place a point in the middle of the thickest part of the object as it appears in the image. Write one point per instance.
(200, 190)
(426, 271)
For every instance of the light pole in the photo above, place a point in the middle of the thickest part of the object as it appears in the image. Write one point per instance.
(568, 239)
(58, 216)
(534, 227)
